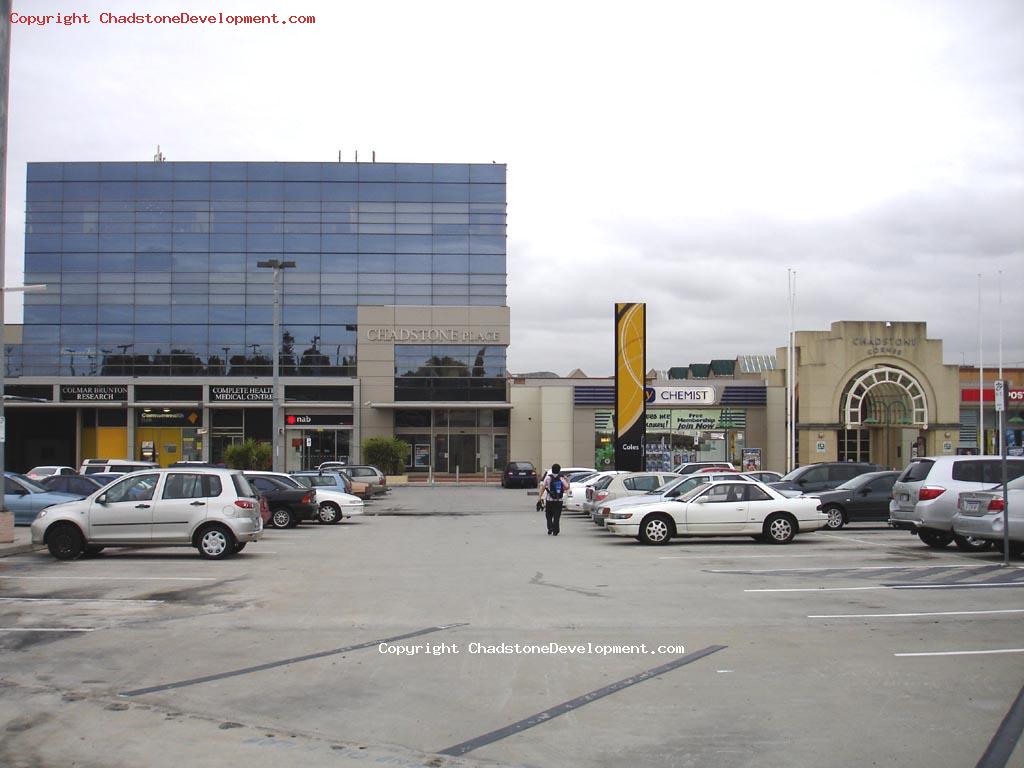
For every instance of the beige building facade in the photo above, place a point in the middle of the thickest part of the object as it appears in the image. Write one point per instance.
(869, 391)
(435, 377)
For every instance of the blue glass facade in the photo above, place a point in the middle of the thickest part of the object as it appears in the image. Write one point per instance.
(151, 269)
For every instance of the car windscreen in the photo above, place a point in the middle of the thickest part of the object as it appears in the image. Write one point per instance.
(32, 485)
(852, 484)
(693, 492)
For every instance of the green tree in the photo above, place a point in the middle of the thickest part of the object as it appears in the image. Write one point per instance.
(387, 453)
(249, 455)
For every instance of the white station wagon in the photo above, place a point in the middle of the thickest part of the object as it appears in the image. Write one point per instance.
(214, 510)
(722, 508)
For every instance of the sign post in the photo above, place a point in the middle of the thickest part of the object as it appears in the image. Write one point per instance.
(1000, 397)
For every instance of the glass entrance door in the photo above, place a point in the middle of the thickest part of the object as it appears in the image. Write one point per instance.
(462, 454)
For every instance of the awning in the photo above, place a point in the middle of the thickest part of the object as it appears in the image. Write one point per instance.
(421, 405)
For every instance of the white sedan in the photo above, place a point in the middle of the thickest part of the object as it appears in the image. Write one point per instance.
(721, 508)
(575, 500)
(332, 504)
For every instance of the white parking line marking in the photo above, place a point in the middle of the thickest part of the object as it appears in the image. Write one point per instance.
(850, 538)
(112, 578)
(909, 615)
(850, 568)
(114, 600)
(895, 586)
(727, 556)
(963, 653)
(47, 629)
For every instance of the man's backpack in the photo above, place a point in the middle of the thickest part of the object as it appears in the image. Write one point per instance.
(556, 487)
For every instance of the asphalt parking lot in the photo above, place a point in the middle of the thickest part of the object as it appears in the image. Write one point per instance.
(446, 628)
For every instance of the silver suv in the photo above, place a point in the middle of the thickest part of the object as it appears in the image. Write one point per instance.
(214, 510)
(924, 498)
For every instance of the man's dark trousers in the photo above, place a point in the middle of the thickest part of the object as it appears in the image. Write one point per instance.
(553, 513)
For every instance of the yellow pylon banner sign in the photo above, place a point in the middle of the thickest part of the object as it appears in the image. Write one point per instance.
(630, 367)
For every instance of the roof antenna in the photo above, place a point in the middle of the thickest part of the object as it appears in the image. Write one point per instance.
(339, 155)
(373, 155)
(357, 155)
(159, 156)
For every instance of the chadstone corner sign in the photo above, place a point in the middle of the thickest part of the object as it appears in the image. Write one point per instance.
(431, 335)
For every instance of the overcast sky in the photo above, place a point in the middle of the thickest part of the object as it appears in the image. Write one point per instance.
(684, 154)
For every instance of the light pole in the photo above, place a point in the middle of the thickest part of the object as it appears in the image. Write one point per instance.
(276, 428)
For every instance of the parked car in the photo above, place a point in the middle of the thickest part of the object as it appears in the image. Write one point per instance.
(40, 473)
(76, 484)
(575, 499)
(980, 515)
(368, 474)
(865, 498)
(214, 510)
(566, 472)
(823, 476)
(629, 484)
(721, 508)
(690, 467)
(332, 503)
(117, 466)
(26, 497)
(288, 505)
(678, 487)
(763, 476)
(925, 496)
(521, 473)
(331, 466)
(334, 481)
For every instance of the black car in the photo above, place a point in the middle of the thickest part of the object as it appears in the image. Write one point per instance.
(521, 473)
(84, 485)
(825, 476)
(288, 505)
(865, 498)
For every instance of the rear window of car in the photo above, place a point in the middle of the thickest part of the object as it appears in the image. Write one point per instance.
(520, 465)
(918, 471)
(843, 472)
(603, 483)
(242, 487)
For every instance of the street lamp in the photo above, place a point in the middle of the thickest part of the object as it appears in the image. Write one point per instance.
(278, 266)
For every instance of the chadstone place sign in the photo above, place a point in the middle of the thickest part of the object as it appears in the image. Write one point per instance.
(454, 335)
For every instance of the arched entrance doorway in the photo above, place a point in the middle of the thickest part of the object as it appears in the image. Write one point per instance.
(884, 411)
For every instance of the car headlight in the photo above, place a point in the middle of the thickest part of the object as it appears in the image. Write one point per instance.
(619, 516)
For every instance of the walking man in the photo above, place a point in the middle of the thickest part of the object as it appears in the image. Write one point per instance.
(555, 487)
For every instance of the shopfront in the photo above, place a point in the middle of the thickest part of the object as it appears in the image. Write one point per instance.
(454, 440)
(313, 438)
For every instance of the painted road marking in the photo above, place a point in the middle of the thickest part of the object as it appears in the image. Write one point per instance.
(579, 701)
(111, 578)
(78, 600)
(892, 586)
(962, 653)
(851, 568)
(47, 629)
(286, 662)
(1002, 745)
(908, 615)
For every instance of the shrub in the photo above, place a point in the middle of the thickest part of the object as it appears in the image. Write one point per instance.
(249, 455)
(389, 454)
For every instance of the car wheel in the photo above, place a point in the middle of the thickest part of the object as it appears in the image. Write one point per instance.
(836, 518)
(65, 541)
(935, 539)
(329, 513)
(656, 529)
(971, 544)
(239, 546)
(91, 550)
(281, 517)
(779, 528)
(215, 542)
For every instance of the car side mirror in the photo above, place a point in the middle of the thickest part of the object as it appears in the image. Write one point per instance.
(865, 491)
(101, 499)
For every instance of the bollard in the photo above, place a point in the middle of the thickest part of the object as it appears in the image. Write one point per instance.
(456, 474)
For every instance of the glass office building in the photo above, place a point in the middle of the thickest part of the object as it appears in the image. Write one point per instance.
(154, 297)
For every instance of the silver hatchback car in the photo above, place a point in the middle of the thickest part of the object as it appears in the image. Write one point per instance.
(214, 510)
